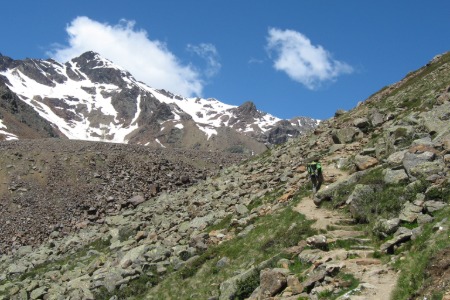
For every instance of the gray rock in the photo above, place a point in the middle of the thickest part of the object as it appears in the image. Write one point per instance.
(364, 162)
(411, 160)
(389, 245)
(81, 283)
(346, 135)
(186, 253)
(361, 123)
(38, 293)
(358, 199)
(294, 284)
(18, 268)
(432, 205)
(410, 212)
(246, 230)
(317, 241)
(24, 250)
(427, 168)
(435, 121)
(329, 192)
(339, 113)
(310, 255)
(158, 254)
(133, 254)
(118, 220)
(396, 135)
(385, 227)
(317, 276)
(136, 200)
(394, 176)
(447, 159)
(376, 118)
(368, 151)
(202, 222)
(241, 209)
(425, 141)
(336, 147)
(222, 262)
(272, 281)
(424, 219)
(416, 232)
(396, 158)
(402, 231)
(112, 279)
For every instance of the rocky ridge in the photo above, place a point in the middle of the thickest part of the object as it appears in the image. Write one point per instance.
(386, 164)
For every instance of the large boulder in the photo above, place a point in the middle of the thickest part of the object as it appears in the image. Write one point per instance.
(411, 160)
(394, 176)
(361, 123)
(410, 212)
(396, 158)
(376, 118)
(435, 121)
(346, 135)
(358, 199)
(272, 281)
(329, 192)
(364, 162)
(384, 227)
(427, 168)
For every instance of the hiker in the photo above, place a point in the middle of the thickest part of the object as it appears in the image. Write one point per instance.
(315, 173)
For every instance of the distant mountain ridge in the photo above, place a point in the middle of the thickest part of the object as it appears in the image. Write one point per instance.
(91, 98)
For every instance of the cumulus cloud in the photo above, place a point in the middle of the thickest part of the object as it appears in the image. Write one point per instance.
(148, 60)
(302, 61)
(209, 54)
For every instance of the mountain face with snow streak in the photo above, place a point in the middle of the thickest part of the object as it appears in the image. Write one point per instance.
(91, 98)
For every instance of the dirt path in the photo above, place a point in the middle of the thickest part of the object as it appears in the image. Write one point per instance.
(377, 281)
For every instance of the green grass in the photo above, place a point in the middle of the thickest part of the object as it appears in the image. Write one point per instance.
(272, 233)
(413, 93)
(413, 274)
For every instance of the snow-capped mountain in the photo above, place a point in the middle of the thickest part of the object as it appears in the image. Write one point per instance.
(91, 98)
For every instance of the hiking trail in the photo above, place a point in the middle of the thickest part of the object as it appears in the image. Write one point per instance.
(377, 280)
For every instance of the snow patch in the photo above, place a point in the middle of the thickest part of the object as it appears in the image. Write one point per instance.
(160, 143)
(8, 136)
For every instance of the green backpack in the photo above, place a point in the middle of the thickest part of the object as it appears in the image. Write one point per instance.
(314, 168)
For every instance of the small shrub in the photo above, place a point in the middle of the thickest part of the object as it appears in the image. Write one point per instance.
(191, 269)
(246, 287)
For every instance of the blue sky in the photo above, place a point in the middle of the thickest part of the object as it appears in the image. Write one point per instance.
(290, 57)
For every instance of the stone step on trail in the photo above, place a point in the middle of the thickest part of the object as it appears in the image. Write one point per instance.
(344, 234)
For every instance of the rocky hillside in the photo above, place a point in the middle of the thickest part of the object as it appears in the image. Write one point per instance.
(377, 229)
(64, 185)
(91, 98)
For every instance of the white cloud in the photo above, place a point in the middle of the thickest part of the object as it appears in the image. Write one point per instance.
(147, 60)
(302, 61)
(209, 53)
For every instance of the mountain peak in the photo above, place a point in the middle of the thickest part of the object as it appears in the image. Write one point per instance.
(91, 98)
